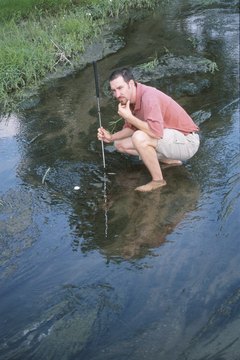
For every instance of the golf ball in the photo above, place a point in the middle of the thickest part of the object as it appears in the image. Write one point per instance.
(76, 187)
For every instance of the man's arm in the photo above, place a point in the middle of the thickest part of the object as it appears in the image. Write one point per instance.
(125, 112)
(105, 135)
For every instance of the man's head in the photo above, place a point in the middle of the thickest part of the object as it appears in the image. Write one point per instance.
(123, 85)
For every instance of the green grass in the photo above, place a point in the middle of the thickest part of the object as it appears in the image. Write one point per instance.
(151, 65)
(39, 36)
(20, 9)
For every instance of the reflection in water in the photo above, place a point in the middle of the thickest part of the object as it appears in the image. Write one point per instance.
(9, 126)
(72, 318)
(9, 151)
(17, 229)
(232, 195)
(138, 223)
(221, 331)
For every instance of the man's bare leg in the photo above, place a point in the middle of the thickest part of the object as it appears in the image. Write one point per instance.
(145, 146)
(148, 155)
(126, 146)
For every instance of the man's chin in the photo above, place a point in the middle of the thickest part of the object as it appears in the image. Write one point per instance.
(123, 101)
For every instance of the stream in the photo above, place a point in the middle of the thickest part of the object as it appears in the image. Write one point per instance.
(104, 272)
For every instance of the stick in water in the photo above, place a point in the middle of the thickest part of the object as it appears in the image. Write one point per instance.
(98, 107)
(103, 155)
(45, 175)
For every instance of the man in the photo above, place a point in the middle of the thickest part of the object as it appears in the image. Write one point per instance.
(156, 127)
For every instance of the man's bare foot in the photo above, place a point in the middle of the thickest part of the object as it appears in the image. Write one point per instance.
(171, 162)
(152, 185)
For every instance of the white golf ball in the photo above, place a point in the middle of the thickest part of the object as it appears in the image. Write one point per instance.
(76, 187)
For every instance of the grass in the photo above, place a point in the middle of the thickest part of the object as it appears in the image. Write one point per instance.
(20, 9)
(151, 65)
(39, 36)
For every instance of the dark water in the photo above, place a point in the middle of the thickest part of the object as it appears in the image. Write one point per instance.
(133, 276)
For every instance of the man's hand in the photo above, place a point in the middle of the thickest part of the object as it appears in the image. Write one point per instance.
(124, 111)
(104, 135)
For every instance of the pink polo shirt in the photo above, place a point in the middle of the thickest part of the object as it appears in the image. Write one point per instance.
(160, 111)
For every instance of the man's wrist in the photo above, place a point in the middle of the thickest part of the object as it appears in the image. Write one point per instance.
(131, 119)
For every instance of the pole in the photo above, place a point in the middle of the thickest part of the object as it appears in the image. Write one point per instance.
(98, 107)
(103, 154)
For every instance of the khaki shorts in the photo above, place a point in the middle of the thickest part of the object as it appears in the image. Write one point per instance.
(177, 146)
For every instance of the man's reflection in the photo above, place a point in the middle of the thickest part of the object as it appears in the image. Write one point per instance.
(137, 223)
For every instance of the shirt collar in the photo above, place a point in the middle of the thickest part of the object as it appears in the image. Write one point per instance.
(138, 96)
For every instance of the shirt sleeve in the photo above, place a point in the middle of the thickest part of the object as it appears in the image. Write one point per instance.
(153, 114)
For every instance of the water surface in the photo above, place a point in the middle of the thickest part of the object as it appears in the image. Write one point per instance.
(126, 275)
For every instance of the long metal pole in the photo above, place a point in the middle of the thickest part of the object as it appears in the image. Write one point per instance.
(98, 107)
(103, 154)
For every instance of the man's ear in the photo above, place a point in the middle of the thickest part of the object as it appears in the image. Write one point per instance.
(132, 83)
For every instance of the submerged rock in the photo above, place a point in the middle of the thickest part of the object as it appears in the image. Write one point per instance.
(201, 116)
(170, 65)
(65, 327)
(17, 230)
(179, 87)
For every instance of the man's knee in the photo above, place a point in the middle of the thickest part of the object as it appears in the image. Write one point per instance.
(139, 138)
(119, 145)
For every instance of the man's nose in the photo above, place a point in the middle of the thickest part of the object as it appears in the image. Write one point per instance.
(117, 93)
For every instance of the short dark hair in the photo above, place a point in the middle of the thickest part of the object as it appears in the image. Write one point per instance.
(126, 73)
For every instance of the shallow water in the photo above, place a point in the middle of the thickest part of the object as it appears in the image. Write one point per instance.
(126, 275)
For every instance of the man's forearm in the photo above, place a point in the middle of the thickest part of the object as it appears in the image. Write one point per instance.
(122, 134)
(141, 125)
(125, 112)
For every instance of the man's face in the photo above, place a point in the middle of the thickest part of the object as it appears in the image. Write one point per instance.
(122, 90)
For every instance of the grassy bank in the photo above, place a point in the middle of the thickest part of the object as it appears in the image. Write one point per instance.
(39, 36)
